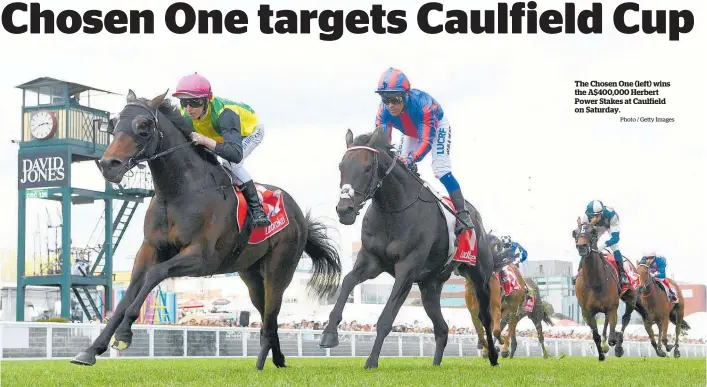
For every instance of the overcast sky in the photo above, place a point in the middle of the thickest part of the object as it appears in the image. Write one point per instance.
(522, 156)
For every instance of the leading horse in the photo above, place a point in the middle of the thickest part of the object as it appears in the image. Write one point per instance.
(195, 226)
(660, 309)
(597, 291)
(405, 234)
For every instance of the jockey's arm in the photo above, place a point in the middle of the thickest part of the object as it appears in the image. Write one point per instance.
(427, 128)
(660, 265)
(523, 253)
(613, 230)
(383, 120)
(232, 147)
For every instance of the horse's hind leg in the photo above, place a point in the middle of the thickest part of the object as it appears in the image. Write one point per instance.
(541, 338)
(496, 310)
(431, 291)
(678, 321)
(664, 331)
(366, 267)
(278, 275)
(188, 262)
(144, 259)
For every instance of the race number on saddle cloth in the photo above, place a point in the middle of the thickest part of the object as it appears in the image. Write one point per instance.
(274, 208)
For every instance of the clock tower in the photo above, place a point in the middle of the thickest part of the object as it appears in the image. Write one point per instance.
(57, 131)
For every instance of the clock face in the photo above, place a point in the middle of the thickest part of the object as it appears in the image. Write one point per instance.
(42, 124)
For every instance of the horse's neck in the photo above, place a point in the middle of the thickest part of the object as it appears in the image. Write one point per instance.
(593, 266)
(397, 189)
(179, 171)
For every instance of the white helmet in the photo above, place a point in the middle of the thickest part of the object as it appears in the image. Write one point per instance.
(506, 240)
(648, 253)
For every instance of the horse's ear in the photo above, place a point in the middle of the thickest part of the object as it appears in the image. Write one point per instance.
(579, 221)
(349, 138)
(157, 101)
(574, 234)
(131, 97)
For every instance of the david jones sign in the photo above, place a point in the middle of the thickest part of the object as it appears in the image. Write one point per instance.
(43, 170)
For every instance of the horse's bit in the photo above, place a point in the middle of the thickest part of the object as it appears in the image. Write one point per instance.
(347, 191)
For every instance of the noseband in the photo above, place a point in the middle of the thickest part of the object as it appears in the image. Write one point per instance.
(154, 123)
(347, 191)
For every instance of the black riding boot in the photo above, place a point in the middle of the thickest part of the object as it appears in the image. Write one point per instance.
(256, 208)
(623, 280)
(462, 212)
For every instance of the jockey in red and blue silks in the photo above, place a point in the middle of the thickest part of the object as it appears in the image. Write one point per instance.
(657, 269)
(425, 129)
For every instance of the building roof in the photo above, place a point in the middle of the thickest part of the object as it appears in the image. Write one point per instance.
(74, 88)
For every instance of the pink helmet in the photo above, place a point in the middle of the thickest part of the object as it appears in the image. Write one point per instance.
(193, 86)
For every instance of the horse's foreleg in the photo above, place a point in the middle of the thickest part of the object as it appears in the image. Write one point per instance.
(648, 324)
(664, 330)
(625, 320)
(512, 322)
(483, 295)
(431, 291)
(401, 288)
(365, 268)
(592, 322)
(612, 317)
(144, 259)
(495, 287)
(472, 306)
(604, 345)
(188, 262)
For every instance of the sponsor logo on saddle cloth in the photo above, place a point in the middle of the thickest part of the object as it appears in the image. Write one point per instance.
(274, 208)
(630, 271)
(466, 247)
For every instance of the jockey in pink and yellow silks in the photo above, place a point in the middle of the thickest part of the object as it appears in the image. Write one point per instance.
(230, 129)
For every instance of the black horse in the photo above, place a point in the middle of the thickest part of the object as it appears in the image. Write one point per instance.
(404, 234)
(191, 227)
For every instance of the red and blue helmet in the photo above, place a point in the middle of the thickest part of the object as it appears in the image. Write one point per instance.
(393, 81)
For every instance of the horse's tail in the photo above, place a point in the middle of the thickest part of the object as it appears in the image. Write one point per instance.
(684, 326)
(326, 263)
(546, 317)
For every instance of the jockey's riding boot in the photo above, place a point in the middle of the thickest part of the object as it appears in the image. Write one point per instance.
(462, 212)
(623, 280)
(256, 208)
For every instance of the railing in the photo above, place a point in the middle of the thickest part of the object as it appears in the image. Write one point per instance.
(25, 341)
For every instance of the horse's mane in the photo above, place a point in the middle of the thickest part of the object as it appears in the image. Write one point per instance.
(172, 113)
(376, 140)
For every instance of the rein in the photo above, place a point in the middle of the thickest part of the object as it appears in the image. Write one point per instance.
(347, 191)
(140, 157)
(646, 287)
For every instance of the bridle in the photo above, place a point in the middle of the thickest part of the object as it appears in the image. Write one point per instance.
(647, 288)
(582, 232)
(348, 191)
(148, 140)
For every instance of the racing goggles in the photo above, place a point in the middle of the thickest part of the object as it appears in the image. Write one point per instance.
(192, 102)
(394, 99)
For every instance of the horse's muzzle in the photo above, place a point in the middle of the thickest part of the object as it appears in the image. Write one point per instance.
(112, 169)
(347, 212)
(583, 250)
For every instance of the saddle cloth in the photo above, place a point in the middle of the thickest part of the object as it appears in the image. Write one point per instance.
(464, 248)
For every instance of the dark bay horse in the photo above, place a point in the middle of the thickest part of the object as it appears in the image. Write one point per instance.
(191, 227)
(659, 309)
(597, 291)
(404, 234)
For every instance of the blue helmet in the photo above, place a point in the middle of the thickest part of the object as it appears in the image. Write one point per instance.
(393, 80)
(595, 207)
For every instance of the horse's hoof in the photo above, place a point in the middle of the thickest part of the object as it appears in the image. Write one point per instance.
(618, 351)
(612, 343)
(546, 355)
(119, 345)
(84, 358)
(259, 365)
(479, 345)
(505, 354)
(279, 361)
(601, 357)
(676, 353)
(371, 364)
(668, 348)
(329, 340)
(605, 348)
(661, 353)
(485, 355)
